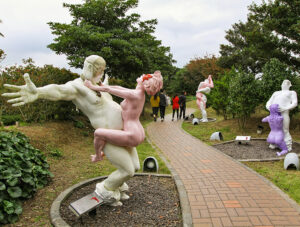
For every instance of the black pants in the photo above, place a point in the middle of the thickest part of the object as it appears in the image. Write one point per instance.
(174, 113)
(155, 111)
(182, 112)
(162, 111)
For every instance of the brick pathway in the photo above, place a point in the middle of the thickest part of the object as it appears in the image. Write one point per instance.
(220, 191)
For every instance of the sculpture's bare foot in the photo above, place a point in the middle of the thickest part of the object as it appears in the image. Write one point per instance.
(97, 158)
(124, 188)
(116, 204)
(110, 197)
(282, 152)
(272, 146)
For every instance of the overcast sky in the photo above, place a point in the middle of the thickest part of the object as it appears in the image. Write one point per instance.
(192, 28)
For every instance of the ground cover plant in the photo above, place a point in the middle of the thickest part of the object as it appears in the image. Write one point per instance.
(287, 181)
(24, 170)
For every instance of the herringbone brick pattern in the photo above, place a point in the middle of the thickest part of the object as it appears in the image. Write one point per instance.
(221, 191)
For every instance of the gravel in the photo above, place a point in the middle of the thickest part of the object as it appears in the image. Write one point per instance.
(154, 201)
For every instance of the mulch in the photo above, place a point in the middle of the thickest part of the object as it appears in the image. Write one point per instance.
(256, 149)
(153, 201)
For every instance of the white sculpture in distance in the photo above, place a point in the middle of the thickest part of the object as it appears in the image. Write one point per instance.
(204, 88)
(286, 100)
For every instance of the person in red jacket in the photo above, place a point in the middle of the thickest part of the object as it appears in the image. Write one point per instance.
(175, 106)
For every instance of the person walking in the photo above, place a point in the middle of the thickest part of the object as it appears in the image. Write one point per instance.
(154, 100)
(182, 104)
(175, 106)
(162, 105)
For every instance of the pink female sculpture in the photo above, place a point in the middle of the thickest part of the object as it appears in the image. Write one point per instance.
(204, 87)
(133, 132)
(276, 136)
(102, 112)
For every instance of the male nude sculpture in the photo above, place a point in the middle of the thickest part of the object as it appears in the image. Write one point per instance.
(286, 101)
(102, 112)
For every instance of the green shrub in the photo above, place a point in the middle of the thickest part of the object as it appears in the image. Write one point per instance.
(41, 110)
(23, 170)
(10, 119)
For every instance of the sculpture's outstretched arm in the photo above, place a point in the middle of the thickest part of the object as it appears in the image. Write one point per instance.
(115, 90)
(210, 81)
(29, 92)
(204, 90)
(265, 119)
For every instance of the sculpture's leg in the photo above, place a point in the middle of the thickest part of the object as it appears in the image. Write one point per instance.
(98, 145)
(286, 129)
(203, 111)
(126, 161)
(136, 162)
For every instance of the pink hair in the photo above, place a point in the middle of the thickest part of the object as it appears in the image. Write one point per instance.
(155, 83)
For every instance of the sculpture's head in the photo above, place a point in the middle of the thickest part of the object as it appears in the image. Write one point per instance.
(151, 82)
(274, 109)
(93, 68)
(286, 84)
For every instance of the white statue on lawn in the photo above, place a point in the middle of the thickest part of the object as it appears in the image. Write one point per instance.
(286, 100)
(104, 114)
(204, 87)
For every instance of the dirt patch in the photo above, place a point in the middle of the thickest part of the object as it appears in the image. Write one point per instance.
(153, 201)
(256, 149)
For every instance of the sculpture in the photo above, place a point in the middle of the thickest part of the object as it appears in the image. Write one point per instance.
(204, 87)
(286, 101)
(102, 112)
(276, 136)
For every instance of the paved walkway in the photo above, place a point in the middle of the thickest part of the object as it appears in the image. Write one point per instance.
(220, 190)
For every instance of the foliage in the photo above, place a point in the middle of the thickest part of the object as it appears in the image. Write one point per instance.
(243, 95)
(271, 31)
(274, 72)
(10, 119)
(106, 28)
(198, 69)
(219, 96)
(24, 170)
(41, 76)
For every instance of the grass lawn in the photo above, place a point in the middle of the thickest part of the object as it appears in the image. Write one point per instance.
(74, 145)
(288, 181)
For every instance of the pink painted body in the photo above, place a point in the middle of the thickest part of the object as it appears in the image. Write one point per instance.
(201, 98)
(132, 106)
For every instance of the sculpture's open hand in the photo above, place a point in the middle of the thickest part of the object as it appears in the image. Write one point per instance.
(24, 94)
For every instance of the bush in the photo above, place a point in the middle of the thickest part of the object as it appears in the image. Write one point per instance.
(23, 169)
(41, 110)
(10, 119)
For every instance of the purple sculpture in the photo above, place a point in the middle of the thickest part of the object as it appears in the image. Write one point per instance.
(276, 136)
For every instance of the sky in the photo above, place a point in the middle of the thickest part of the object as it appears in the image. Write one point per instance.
(191, 28)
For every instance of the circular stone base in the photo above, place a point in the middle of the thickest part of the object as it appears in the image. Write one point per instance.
(144, 201)
(209, 119)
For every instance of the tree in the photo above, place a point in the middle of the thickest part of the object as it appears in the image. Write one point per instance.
(105, 28)
(219, 96)
(243, 95)
(197, 70)
(271, 31)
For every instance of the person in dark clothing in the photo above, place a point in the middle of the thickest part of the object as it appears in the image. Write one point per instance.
(162, 104)
(182, 104)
